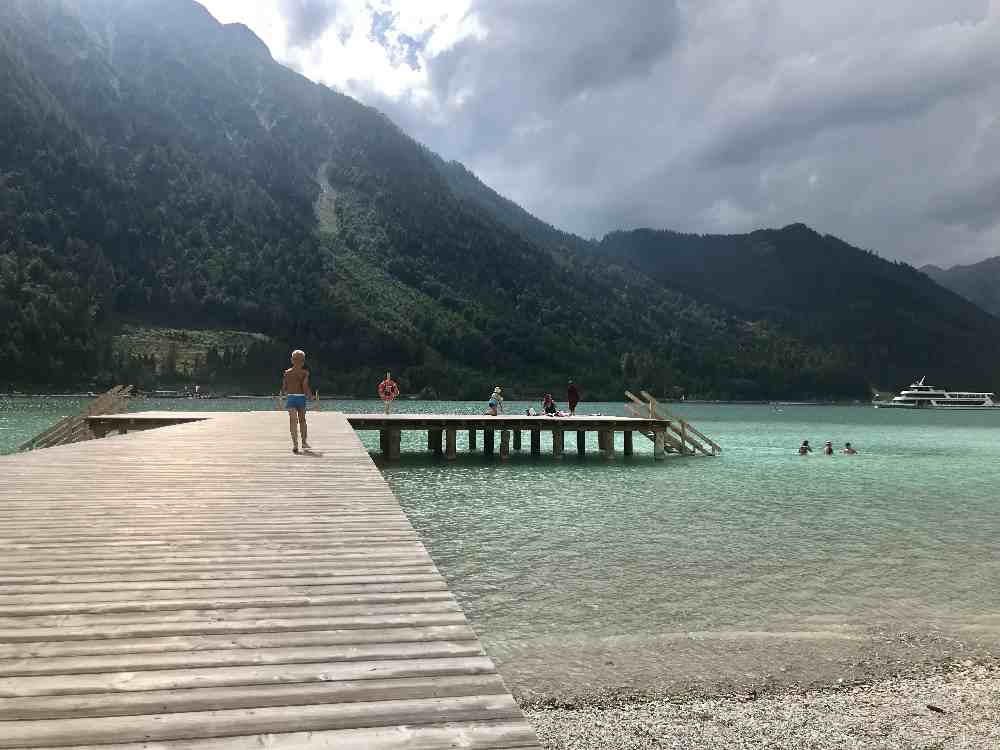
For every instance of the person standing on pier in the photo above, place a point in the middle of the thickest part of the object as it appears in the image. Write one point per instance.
(295, 386)
(495, 405)
(388, 391)
(572, 397)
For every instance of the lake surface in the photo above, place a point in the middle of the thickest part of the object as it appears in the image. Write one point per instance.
(757, 566)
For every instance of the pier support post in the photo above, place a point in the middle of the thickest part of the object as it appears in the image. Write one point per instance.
(383, 443)
(659, 445)
(472, 440)
(434, 438)
(536, 442)
(558, 437)
(608, 448)
(394, 441)
(628, 442)
(581, 442)
(504, 444)
(451, 440)
(517, 440)
(488, 442)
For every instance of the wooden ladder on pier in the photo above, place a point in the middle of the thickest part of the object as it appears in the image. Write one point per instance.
(74, 429)
(682, 437)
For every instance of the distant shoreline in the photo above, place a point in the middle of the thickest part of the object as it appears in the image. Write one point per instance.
(338, 397)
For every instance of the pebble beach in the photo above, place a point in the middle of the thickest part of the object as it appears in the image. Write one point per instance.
(950, 707)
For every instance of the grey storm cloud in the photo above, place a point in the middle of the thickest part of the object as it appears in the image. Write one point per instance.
(307, 19)
(878, 122)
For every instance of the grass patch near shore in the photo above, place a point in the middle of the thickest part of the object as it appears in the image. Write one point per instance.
(181, 349)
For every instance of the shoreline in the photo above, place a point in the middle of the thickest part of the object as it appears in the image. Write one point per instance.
(952, 704)
(16, 395)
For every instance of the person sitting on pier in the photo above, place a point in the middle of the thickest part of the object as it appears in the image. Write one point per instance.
(848, 450)
(295, 385)
(805, 449)
(549, 405)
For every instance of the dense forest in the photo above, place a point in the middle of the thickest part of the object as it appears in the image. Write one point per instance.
(160, 169)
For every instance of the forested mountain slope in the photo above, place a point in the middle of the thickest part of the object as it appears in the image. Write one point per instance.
(887, 319)
(160, 169)
(977, 282)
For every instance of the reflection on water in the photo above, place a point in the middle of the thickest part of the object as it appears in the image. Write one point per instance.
(582, 574)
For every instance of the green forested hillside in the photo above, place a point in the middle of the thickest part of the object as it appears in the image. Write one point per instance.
(158, 169)
(889, 321)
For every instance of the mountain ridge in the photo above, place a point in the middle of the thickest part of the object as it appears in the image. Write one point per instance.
(162, 168)
(978, 282)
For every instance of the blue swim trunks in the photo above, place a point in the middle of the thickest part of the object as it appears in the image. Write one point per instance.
(296, 401)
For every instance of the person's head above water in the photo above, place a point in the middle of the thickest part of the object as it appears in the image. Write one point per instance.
(805, 442)
(847, 445)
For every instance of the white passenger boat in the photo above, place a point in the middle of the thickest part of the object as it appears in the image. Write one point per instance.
(922, 396)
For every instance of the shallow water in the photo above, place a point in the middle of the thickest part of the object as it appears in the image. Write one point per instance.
(581, 575)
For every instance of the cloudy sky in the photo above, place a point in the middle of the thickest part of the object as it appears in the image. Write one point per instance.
(875, 121)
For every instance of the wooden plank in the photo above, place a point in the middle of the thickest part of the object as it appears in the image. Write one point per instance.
(470, 735)
(256, 696)
(229, 657)
(236, 641)
(210, 724)
(183, 679)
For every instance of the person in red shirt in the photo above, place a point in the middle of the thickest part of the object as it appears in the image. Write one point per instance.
(573, 397)
(388, 391)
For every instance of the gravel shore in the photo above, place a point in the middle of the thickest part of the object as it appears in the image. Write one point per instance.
(950, 707)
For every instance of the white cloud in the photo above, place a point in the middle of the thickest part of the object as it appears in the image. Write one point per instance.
(873, 121)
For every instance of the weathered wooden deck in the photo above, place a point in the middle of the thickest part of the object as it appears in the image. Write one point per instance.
(199, 587)
(442, 430)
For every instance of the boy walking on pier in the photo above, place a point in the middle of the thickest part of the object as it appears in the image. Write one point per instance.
(295, 385)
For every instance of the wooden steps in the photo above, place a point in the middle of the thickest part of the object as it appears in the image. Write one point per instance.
(681, 436)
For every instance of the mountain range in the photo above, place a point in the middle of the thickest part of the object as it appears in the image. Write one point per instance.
(977, 282)
(160, 169)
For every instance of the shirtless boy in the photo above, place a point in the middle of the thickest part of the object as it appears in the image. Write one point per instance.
(295, 385)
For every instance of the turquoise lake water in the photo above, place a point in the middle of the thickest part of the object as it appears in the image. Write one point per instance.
(759, 565)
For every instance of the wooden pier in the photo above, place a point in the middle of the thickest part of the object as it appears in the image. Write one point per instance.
(443, 430)
(500, 435)
(199, 587)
